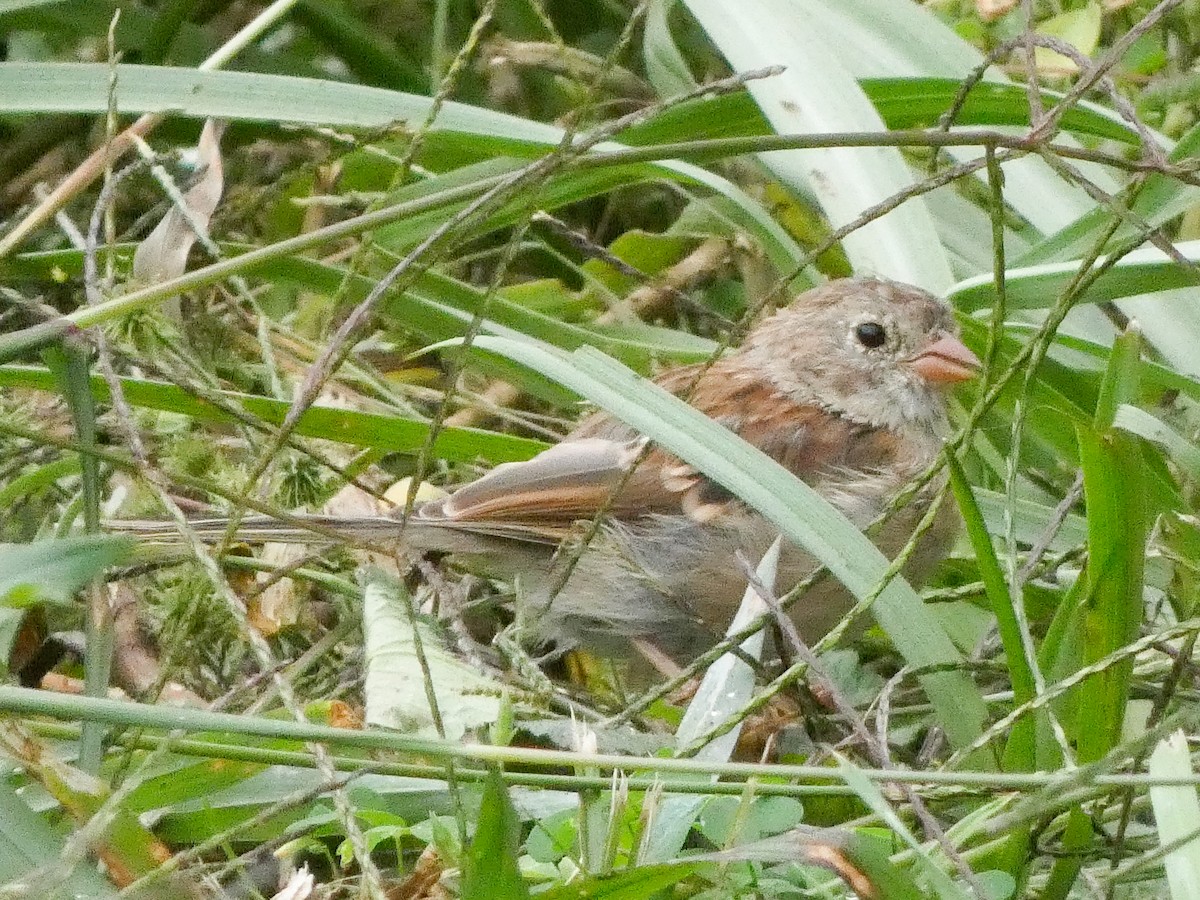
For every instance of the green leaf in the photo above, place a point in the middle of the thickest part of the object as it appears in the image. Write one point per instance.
(638, 883)
(1020, 752)
(38, 478)
(87, 20)
(395, 685)
(239, 805)
(7, 6)
(1031, 519)
(916, 41)
(490, 870)
(1169, 321)
(1078, 27)
(186, 780)
(1138, 421)
(665, 66)
(903, 101)
(1145, 270)
(1020, 748)
(52, 571)
(47, 87)
(385, 432)
(734, 210)
(1115, 493)
(815, 94)
(867, 791)
(917, 102)
(436, 306)
(860, 857)
(1158, 200)
(71, 364)
(1152, 373)
(370, 55)
(254, 96)
(29, 846)
(1177, 814)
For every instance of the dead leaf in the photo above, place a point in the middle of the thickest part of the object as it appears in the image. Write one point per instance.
(163, 254)
(991, 10)
(298, 887)
(279, 604)
(425, 881)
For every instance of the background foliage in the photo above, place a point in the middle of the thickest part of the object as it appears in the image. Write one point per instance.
(427, 231)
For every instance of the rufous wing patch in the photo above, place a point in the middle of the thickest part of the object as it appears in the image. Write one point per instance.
(589, 472)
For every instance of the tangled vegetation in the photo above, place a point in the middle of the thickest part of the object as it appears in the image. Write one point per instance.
(336, 255)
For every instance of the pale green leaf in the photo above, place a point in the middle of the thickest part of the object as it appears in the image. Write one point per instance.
(816, 94)
(1177, 814)
(395, 685)
(727, 686)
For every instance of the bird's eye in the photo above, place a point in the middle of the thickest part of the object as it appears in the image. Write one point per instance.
(870, 334)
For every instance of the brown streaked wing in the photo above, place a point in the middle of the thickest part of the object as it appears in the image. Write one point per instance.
(803, 438)
(576, 478)
(570, 481)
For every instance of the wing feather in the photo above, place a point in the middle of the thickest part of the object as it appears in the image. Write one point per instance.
(579, 477)
(567, 482)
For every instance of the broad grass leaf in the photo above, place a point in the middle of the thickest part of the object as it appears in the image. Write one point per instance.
(490, 870)
(817, 94)
(395, 686)
(1177, 814)
(52, 571)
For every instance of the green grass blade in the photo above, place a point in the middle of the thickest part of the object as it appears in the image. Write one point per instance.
(1169, 320)
(8, 6)
(391, 433)
(1177, 814)
(1138, 421)
(1037, 287)
(917, 42)
(252, 96)
(916, 102)
(640, 883)
(490, 871)
(902, 102)
(436, 307)
(52, 571)
(943, 886)
(1114, 491)
(1160, 199)
(46, 87)
(371, 57)
(29, 846)
(70, 365)
(1020, 750)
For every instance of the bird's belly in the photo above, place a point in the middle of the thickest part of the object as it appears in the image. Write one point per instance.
(679, 583)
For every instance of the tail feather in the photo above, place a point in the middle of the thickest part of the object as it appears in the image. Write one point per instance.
(419, 533)
(299, 529)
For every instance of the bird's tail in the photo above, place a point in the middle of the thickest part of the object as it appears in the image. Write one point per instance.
(417, 533)
(299, 528)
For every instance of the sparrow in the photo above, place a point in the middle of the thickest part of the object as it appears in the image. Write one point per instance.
(844, 387)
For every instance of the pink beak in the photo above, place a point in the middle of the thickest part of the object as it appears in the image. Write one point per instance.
(946, 361)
